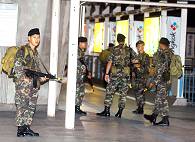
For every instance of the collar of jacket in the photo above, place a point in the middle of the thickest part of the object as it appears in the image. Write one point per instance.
(35, 52)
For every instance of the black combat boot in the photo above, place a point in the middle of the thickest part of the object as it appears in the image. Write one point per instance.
(151, 118)
(20, 131)
(79, 111)
(164, 121)
(29, 132)
(139, 110)
(119, 113)
(105, 113)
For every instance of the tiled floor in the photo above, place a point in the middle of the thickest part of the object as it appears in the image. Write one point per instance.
(90, 128)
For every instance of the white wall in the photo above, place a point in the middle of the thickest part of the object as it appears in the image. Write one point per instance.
(37, 13)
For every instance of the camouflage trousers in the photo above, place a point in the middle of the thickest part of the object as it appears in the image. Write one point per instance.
(25, 101)
(140, 98)
(80, 93)
(161, 106)
(120, 85)
(138, 88)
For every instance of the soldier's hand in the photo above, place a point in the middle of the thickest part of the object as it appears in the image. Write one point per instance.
(89, 75)
(43, 79)
(26, 79)
(107, 78)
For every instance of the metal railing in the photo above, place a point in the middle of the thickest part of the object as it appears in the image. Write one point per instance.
(96, 67)
(189, 86)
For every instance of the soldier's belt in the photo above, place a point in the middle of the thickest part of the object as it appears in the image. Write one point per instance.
(125, 70)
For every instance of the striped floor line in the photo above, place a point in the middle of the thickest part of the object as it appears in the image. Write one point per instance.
(128, 97)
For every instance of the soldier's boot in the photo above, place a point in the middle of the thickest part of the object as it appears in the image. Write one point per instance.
(29, 132)
(139, 110)
(20, 131)
(79, 111)
(164, 121)
(119, 113)
(151, 118)
(105, 113)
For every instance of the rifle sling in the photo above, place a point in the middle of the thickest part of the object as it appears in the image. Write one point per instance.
(43, 64)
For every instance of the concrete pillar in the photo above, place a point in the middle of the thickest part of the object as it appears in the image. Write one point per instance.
(82, 21)
(146, 14)
(97, 11)
(54, 57)
(106, 33)
(106, 12)
(72, 64)
(131, 26)
(87, 25)
(180, 99)
(163, 23)
(117, 9)
(131, 30)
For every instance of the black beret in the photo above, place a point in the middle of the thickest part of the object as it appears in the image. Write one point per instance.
(33, 32)
(120, 38)
(111, 45)
(139, 42)
(82, 39)
(164, 41)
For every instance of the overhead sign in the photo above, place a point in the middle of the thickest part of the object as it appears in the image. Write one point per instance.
(151, 34)
(173, 33)
(112, 32)
(122, 27)
(137, 29)
(90, 38)
(98, 37)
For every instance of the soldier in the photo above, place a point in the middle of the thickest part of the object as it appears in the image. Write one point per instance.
(26, 95)
(162, 61)
(103, 57)
(81, 73)
(141, 70)
(119, 62)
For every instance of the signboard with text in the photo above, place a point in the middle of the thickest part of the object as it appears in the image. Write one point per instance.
(173, 33)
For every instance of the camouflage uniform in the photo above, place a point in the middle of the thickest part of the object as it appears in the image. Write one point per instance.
(81, 73)
(141, 75)
(120, 74)
(162, 60)
(26, 95)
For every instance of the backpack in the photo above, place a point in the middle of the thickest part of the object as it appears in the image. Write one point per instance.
(8, 61)
(176, 66)
(103, 57)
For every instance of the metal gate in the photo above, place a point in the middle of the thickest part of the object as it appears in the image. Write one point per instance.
(189, 86)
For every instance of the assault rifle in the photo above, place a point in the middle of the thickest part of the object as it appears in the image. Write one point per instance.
(89, 80)
(35, 75)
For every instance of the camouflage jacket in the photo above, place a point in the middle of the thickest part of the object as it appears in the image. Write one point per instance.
(31, 61)
(143, 71)
(121, 58)
(81, 68)
(144, 61)
(162, 61)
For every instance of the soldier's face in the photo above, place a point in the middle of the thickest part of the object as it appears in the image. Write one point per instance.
(83, 45)
(34, 40)
(162, 46)
(137, 65)
(140, 48)
(121, 43)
